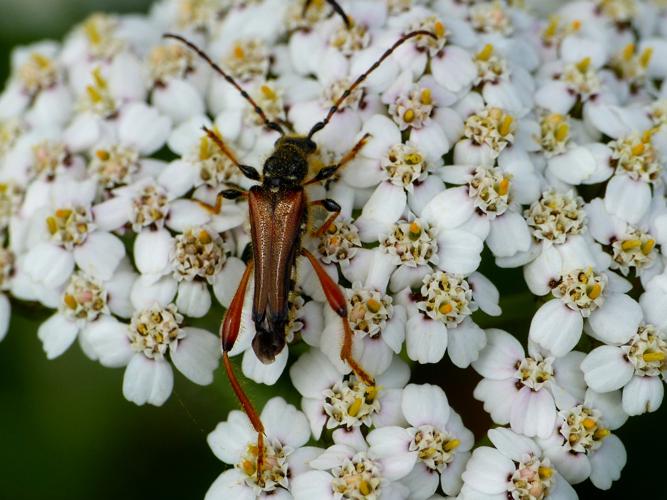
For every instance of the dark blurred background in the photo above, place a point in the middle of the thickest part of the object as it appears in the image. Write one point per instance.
(66, 432)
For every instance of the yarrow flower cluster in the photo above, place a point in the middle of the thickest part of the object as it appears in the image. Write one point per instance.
(494, 139)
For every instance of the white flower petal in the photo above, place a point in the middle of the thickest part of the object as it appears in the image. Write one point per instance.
(147, 381)
(465, 343)
(607, 462)
(100, 255)
(509, 235)
(488, 470)
(193, 299)
(556, 328)
(426, 340)
(533, 413)
(57, 333)
(643, 395)
(627, 199)
(498, 359)
(607, 369)
(49, 264)
(230, 438)
(263, 373)
(616, 320)
(449, 209)
(425, 404)
(284, 422)
(108, 340)
(196, 355)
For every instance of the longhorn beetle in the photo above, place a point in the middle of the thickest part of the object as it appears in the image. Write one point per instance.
(278, 208)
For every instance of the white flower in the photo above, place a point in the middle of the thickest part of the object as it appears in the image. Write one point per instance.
(637, 367)
(66, 234)
(516, 468)
(524, 391)
(142, 346)
(580, 294)
(331, 400)
(6, 278)
(582, 446)
(432, 451)
(346, 470)
(439, 317)
(234, 441)
(84, 301)
(37, 88)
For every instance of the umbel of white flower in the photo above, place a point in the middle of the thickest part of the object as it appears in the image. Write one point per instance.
(506, 139)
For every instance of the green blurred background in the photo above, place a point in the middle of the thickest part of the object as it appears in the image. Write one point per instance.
(66, 432)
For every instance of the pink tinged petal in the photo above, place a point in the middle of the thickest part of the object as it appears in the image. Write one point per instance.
(382, 209)
(616, 320)
(113, 213)
(230, 484)
(197, 355)
(5, 313)
(57, 333)
(284, 422)
(146, 292)
(152, 250)
(465, 343)
(193, 299)
(498, 359)
(544, 271)
(498, 397)
(487, 471)
(262, 373)
(350, 437)
(425, 404)
(574, 166)
(654, 305)
(556, 328)
(533, 413)
(606, 369)
(230, 439)
(607, 462)
(49, 264)
(178, 99)
(184, 214)
(227, 281)
(568, 374)
(431, 140)
(574, 467)
(108, 340)
(459, 251)
(513, 445)
(449, 209)
(312, 373)
(422, 481)
(426, 340)
(509, 234)
(147, 381)
(485, 294)
(313, 484)
(555, 97)
(390, 445)
(627, 199)
(390, 412)
(642, 395)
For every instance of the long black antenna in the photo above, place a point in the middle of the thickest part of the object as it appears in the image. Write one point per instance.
(320, 125)
(335, 6)
(270, 124)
